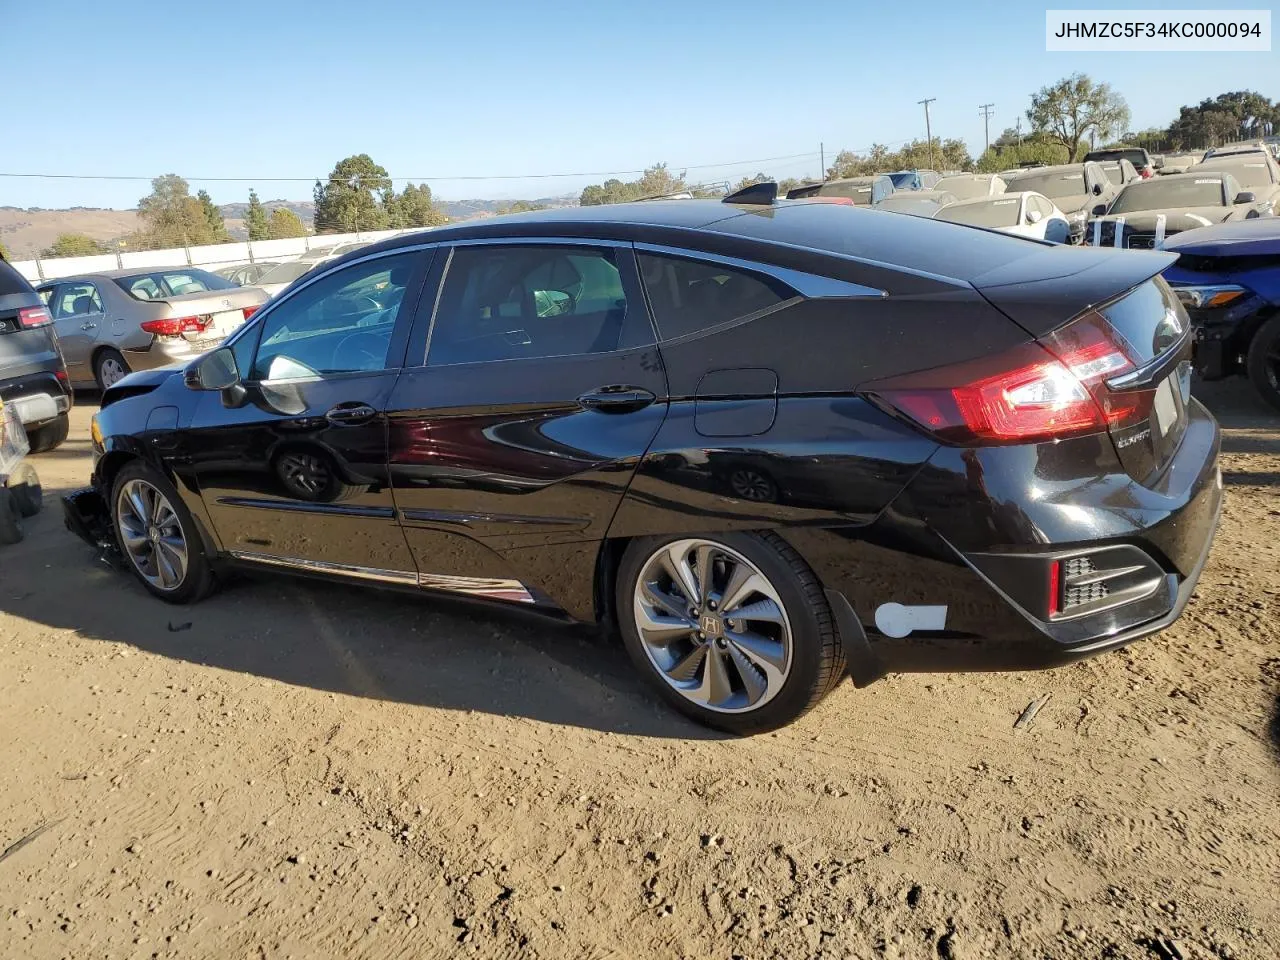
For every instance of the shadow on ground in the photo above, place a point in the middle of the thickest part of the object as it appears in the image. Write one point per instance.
(362, 642)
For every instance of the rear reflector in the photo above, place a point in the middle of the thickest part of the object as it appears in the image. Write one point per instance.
(31, 317)
(250, 311)
(1055, 587)
(1031, 393)
(175, 326)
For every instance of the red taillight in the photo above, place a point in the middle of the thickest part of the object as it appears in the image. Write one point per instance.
(1031, 393)
(61, 376)
(1055, 587)
(31, 317)
(175, 326)
(250, 311)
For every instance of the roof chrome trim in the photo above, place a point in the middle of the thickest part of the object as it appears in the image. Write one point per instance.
(809, 285)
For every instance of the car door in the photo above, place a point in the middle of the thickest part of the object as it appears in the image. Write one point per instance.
(78, 318)
(532, 389)
(293, 473)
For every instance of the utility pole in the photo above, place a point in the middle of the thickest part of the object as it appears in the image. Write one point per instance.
(1018, 127)
(928, 131)
(822, 161)
(987, 111)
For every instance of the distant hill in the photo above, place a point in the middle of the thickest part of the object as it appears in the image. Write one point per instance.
(28, 231)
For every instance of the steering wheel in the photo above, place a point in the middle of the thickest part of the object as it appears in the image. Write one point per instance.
(369, 350)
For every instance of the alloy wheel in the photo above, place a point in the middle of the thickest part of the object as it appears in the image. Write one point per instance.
(111, 371)
(713, 626)
(151, 534)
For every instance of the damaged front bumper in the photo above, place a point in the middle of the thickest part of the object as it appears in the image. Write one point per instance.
(84, 513)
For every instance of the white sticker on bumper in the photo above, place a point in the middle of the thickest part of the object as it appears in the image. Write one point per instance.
(896, 620)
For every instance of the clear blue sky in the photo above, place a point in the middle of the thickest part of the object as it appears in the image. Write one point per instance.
(281, 88)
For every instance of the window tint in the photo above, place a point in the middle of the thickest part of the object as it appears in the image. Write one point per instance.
(341, 324)
(515, 302)
(692, 295)
(76, 298)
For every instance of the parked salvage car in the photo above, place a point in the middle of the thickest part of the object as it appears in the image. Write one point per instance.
(1075, 188)
(33, 374)
(1119, 172)
(1148, 211)
(966, 186)
(246, 274)
(1228, 278)
(1256, 172)
(918, 203)
(863, 191)
(914, 179)
(115, 321)
(1137, 156)
(518, 410)
(1023, 214)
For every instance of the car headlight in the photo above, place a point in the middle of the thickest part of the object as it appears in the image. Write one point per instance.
(95, 432)
(1078, 217)
(1210, 295)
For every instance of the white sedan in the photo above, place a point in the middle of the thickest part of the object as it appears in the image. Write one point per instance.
(1024, 214)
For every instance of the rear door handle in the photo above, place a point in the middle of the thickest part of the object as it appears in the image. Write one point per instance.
(617, 398)
(88, 326)
(351, 414)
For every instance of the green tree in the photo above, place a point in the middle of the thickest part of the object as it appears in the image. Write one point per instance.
(948, 154)
(1032, 151)
(1226, 117)
(656, 181)
(73, 245)
(172, 217)
(4, 252)
(256, 218)
(788, 183)
(353, 198)
(213, 216)
(284, 223)
(1074, 108)
(414, 207)
(520, 206)
(751, 181)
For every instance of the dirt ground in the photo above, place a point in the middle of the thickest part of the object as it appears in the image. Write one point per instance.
(302, 770)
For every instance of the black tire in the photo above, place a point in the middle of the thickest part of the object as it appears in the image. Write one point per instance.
(199, 580)
(1263, 361)
(817, 657)
(24, 487)
(10, 518)
(101, 359)
(51, 435)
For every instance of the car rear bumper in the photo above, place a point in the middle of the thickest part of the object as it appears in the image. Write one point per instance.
(164, 351)
(37, 397)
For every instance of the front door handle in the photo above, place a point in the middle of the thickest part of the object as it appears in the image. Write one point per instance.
(88, 326)
(351, 414)
(617, 398)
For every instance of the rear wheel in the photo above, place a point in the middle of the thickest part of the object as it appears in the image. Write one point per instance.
(158, 536)
(109, 367)
(732, 629)
(1263, 362)
(51, 435)
(24, 487)
(10, 518)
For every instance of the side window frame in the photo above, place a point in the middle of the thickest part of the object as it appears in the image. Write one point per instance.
(637, 325)
(409, 305)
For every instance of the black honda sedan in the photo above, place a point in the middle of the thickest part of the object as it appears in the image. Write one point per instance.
(774, 443)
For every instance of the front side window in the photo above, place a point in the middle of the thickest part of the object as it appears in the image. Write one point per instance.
(74, 299)
(340, 324)
(692, 295)
(520, 302)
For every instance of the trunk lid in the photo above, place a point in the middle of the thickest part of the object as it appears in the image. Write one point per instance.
(22, 350)
(221, 312)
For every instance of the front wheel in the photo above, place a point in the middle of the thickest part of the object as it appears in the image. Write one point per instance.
(732, 629)
(157, 534)
(1263, 362)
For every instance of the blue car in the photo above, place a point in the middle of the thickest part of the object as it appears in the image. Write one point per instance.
(1228, 278)
(914, 179)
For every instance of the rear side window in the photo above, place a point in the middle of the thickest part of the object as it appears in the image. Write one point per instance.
(688, 296)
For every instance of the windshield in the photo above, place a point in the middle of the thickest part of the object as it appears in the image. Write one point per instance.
(286, 272)
(967, 188)
(901, 180)
(1250, 173)
(994, 213)
(1136, 157)
(1168, 194)
(1053, 184)
(171, 283)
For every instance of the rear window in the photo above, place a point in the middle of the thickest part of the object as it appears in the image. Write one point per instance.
(1051, 184)
(997, 213)
(1150, 318)
(11, 281)
(1250, 170)
(1165, 194)
(171, 283)
(692, 295)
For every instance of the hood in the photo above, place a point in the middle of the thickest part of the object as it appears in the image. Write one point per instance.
(1073, 203)
(1044, 290)
(1175, 218)
(1240, 238)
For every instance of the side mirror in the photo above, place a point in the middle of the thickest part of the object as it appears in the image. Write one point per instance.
(1097, 189)
(1100, 210)
(213, 371)
(1246, 196)
(1035, 216)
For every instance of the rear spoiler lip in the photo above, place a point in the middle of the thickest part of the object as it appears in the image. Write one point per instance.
(1041, 304)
